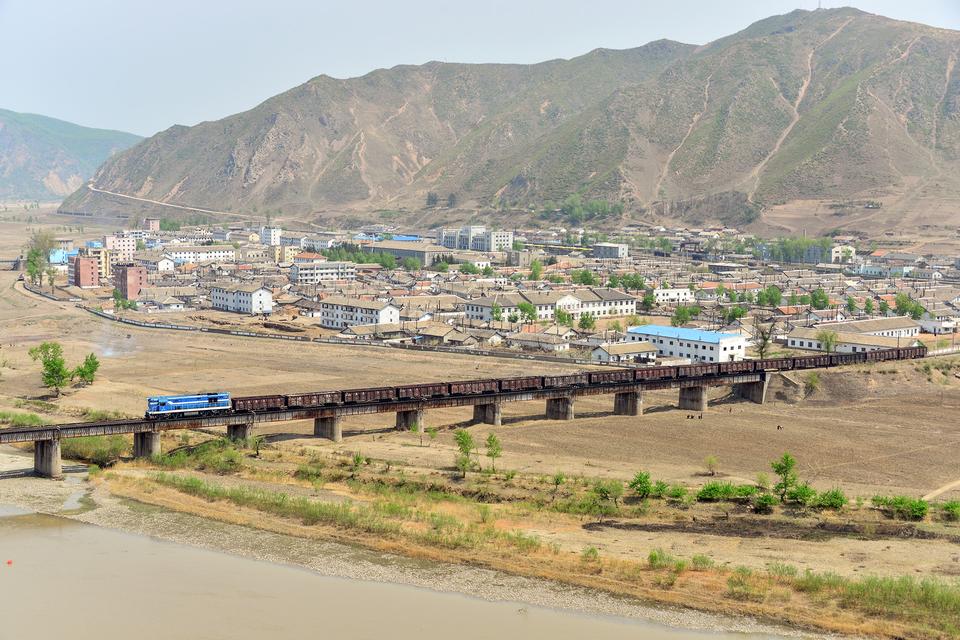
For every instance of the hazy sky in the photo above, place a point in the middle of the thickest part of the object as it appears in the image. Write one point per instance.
(143, 65)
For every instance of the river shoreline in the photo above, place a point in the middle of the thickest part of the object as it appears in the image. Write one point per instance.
(75, 499)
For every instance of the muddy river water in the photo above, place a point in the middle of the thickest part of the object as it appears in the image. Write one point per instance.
(63, 579)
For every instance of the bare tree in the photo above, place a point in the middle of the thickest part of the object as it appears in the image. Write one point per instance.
(763, 334)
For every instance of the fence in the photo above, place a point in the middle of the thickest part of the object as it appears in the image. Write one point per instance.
(345, 341)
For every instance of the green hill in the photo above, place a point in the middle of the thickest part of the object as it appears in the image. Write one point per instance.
(828, 104)
(47, 159)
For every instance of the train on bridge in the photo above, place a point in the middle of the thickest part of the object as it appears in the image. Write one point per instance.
(168, 407)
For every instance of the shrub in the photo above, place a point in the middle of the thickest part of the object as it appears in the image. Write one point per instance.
(782, 570)
(764, 503)
(832, 499)
(590, 554)
(716, 491)
(712, 464)
(641, 485)
(660, 559)
(102, 451)
(802, 494)
(746, 491)
(659, 489)
(951, 510)
(902, 507)
(701, 562)
(676, 493)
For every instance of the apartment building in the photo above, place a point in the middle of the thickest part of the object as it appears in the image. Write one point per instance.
(83, 272)
(129, 279)
(610, 251)
(182, 254)
(596, 301)
(693, 344)
(475, 238)
(247, 298)
(121, 247)
(306, 273)
(673, 296)
(270, 236)
(337, 312)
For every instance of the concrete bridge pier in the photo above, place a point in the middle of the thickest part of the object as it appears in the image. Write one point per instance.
(693, 398)
(239, 431)
(406, 419)
(328, 427)
(560, 408)
(491, 413)
(46, 459)
(752, 391)
(628, 403)
(146, 444)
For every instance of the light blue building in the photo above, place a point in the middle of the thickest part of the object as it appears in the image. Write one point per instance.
(695, 345)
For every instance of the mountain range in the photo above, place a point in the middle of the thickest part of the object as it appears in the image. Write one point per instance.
(47, 159)
(830, 106)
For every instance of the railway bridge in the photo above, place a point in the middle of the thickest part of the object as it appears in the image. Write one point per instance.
(327, 420)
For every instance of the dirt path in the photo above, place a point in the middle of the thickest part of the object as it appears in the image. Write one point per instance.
(801, 94)
(693, 124)
(942, 490)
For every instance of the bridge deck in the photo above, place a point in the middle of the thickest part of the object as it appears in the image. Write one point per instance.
(141, 425)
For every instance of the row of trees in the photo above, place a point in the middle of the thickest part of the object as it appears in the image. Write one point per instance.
(433, 200)
(54, 371)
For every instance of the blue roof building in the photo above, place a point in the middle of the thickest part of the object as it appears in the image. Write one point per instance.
(696, 345)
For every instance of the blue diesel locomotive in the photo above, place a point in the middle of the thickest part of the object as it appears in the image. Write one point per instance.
(179, 406)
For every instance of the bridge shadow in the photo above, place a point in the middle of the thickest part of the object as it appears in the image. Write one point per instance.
(28, 472)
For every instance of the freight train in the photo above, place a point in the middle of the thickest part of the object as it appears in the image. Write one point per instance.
(178, 406)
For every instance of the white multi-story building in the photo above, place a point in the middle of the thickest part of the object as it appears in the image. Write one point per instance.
(270, 236)
(610, 251)
(598, 302)
(320, 241)
(842, 253)
(475, 238)
(242, 298)
(316, 272)
(181, 254)
(693, 344)
(673, 296)
(338, 312)
(121, 247)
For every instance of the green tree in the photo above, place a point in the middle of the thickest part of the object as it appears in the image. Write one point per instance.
(470, 268)
(87, 370)
(494, 450)
(451, 201)
(536, 270)
(563, 317)
(683, 314)
(641, 484)
(55, 374)
(584, 277)
(432, 199)
(828, 339)
(605, 496)
(587, 322)
(51, 274)
(793, 301)
(528, 311)
(851, 305)
(819, 299)
(884, 308)
(513, 318)
(868, 306)
(411, 264)
(785, 468)
(649, 301)
(763, 335)
(443, 266)
(496, 312)
(465, 446)
(464, 441)
(488, 271)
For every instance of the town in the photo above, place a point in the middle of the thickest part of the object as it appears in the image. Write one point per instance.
(657, 295)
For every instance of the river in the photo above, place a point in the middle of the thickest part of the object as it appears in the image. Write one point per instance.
(63, 578)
